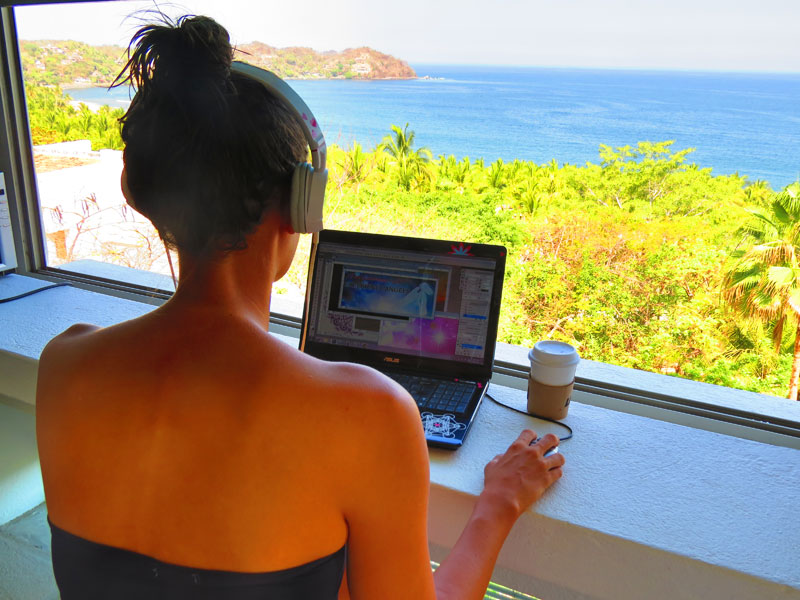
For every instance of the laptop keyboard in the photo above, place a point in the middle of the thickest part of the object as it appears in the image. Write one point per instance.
(435, 394)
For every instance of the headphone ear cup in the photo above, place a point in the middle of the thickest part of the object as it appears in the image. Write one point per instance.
(299, 197)
(307, 198)
(315, 203)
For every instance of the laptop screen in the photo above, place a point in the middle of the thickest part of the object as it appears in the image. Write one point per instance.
(393, 301)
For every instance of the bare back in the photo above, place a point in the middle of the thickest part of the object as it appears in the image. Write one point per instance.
(199, 439)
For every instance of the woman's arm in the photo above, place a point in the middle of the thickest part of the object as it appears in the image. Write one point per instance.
(513, 481)
(388, 519)
(387, 545)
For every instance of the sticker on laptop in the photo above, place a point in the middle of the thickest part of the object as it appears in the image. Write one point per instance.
(441, 425)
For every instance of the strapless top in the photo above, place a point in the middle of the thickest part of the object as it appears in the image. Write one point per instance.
(87, 570)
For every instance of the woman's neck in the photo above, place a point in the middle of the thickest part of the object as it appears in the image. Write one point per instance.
(230, 284)
(237, 283)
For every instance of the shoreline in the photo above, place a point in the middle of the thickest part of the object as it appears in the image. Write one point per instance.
(83, 86)
(350, 78)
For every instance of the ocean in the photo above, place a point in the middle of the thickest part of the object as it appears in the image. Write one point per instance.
(737, 122)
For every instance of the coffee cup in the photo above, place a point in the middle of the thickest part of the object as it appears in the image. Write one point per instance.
(552, 377)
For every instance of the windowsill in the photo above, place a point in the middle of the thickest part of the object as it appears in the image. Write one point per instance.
(513, 359)
(647, 508)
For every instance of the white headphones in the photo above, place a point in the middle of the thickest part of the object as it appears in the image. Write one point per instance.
(308, 181)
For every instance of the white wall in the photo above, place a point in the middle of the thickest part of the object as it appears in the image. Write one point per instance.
(20, 478)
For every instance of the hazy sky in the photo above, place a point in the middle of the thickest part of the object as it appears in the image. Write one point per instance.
(682, 34)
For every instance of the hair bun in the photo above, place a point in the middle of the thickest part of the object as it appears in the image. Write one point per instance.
(201, 47)
(179, 59)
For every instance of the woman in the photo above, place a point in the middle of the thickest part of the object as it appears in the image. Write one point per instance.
(189, 454)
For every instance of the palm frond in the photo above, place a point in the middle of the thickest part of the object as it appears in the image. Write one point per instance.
(793, 301)
(781, 276)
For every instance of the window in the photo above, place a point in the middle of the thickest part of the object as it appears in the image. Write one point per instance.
(621, 257)
(86, 225)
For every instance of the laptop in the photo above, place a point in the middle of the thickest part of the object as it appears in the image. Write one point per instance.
(423, 312)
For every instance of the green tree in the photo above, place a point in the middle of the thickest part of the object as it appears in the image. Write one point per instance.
(496, 174)
(355, 165)
(764, 282)
(53, 119)
(642, 173)
(411, 165)
(453, 173)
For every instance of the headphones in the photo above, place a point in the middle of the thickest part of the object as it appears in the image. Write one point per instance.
(308, 181)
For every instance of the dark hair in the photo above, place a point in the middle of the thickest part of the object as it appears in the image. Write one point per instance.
(207, 152)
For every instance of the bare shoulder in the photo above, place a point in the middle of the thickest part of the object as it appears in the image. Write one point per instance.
(57, 359)
(361, 386)
(357, 398)
(73, 332)
(67, 340)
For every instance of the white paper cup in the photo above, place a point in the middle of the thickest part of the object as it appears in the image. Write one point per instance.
(553, 366)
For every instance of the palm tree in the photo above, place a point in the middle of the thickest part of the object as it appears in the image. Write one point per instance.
(411, 164)
(399, 143)
(764, 282)
(85, 118)
(455, 172)
(496, 174)
(355, 165)
(550, 173)
(758, 192)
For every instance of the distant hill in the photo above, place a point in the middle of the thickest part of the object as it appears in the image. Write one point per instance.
(69, 64)
(305, 63)
(74, 64)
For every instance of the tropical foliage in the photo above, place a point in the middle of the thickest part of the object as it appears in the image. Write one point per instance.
(763, 284)
(410, 165)
(67, 62)
(53, 118)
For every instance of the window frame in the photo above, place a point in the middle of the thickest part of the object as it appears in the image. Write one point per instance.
(8, 252)
(13, 122)
(627, 390)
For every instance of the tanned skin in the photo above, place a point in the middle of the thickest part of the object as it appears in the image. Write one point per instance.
(193, 436)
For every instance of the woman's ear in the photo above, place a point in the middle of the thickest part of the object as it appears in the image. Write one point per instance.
(286, 227)
(126, 191)
(285, 213)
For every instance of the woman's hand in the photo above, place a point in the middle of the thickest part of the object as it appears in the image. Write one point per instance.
(516, 479)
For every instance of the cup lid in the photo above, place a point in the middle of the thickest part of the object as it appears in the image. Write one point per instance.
(552, 352)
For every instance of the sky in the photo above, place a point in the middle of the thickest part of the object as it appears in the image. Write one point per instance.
(742, 35)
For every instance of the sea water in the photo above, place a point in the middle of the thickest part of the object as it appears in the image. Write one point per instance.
(737, 122)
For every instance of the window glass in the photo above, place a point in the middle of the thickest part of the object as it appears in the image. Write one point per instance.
(77, 147)
(616, 151)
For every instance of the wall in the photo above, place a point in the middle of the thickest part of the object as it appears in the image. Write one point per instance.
(20, 478)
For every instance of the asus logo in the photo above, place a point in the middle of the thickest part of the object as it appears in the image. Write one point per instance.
(389, 359)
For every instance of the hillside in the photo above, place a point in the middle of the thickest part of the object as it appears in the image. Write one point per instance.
(305, 63)
(74, 64)
(70, 64)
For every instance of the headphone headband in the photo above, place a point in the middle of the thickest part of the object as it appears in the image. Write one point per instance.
(309, 180)
(276, 85)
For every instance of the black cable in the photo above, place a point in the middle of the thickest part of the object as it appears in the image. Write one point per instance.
(522, 412)
(31, 292)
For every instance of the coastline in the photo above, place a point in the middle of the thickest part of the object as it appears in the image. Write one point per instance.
(92, 106)
(351, 78)
(86, 85)
(82, 85)
(542, 114)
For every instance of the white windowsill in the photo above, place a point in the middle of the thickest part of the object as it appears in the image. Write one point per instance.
(647, 508)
